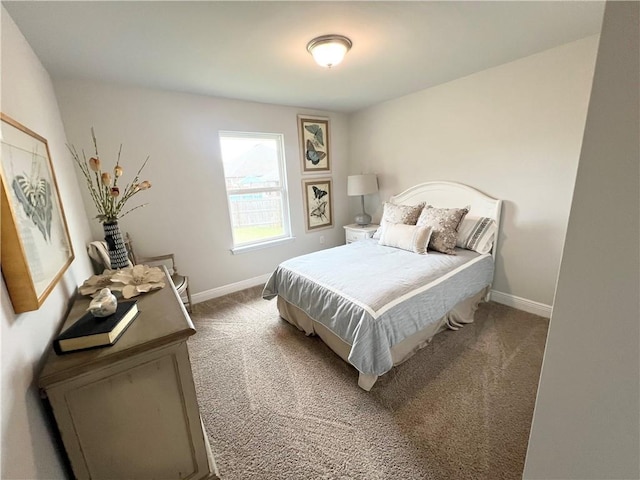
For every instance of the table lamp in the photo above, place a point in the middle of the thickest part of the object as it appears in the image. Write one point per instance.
(362, 185)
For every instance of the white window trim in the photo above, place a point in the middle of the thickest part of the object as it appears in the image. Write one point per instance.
(286, 217)
(259, 246)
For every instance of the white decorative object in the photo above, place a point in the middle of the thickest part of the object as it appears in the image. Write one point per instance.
(138, 279)
(103, 304)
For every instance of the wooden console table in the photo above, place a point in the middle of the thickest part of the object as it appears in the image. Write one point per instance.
(129, 411)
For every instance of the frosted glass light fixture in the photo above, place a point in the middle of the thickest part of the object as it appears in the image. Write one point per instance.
(329, 50)
(361, 185)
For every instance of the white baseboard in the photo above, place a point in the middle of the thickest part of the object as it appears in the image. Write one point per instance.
(523, 304)
(231, 288)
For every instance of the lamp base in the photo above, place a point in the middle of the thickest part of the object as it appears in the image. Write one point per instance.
(363, 219)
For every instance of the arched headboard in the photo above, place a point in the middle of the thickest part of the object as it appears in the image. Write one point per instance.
(453, 195)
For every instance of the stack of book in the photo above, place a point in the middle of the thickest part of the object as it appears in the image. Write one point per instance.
(94, 332)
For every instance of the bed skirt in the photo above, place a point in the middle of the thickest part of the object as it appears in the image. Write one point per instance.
(461, 314)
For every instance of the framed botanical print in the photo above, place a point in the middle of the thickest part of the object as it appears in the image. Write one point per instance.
(36, 248)
(318, 203)
(314, 144)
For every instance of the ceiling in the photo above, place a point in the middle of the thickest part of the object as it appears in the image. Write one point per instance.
(257, 50)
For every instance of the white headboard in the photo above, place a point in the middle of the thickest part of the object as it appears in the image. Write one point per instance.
(453, 195)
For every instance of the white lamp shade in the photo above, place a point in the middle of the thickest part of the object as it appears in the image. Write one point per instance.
(362, 184)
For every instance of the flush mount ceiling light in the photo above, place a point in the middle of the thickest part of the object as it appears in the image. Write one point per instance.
(329, 50)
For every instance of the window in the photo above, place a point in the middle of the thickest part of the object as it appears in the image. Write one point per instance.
(256, 188)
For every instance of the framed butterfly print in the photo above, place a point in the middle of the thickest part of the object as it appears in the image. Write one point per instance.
(36, 248)
(318, 203)
(314, 144)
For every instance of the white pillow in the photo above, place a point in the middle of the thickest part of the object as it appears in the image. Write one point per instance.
(476, 233)
(407, 237)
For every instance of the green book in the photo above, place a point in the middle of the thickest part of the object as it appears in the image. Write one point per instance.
(92, 332)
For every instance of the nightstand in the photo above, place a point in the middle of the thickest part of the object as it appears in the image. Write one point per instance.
(355, 232)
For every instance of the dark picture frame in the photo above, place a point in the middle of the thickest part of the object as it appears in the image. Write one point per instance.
(36, 246)
(314, 137)
(318, 203)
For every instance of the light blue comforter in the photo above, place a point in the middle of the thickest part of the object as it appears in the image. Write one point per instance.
(374, 296)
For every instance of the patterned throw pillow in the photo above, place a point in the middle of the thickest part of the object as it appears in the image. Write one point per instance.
(444, 223)
(476, 233)
(405, 214)
(407, 237)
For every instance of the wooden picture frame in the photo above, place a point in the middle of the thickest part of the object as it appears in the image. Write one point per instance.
(36, 247)
(314, 144)
(318, 203)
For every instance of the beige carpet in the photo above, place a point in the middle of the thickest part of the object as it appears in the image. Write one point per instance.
(279, 405)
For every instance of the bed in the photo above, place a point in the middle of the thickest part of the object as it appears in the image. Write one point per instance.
(375, 305)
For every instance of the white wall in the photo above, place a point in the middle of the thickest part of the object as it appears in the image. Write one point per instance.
(187, 212)
(27, 96)
(513, 131)
(587, 418)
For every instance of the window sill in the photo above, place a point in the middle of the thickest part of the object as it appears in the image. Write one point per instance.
(260, 246)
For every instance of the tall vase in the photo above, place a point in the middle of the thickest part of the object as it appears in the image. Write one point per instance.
(117, 250)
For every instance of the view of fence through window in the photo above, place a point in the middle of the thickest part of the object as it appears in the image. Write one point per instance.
(256, 186)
